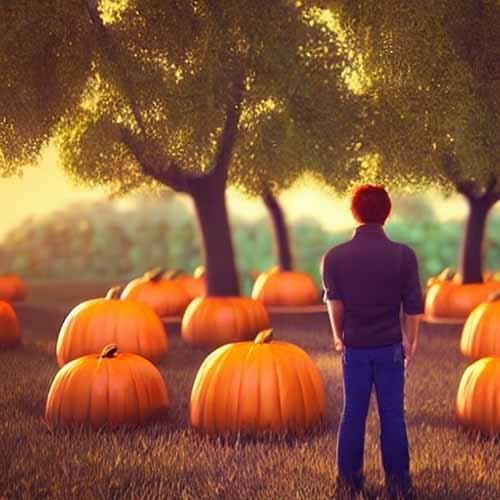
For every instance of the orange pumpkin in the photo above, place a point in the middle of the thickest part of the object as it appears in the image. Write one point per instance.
(454, 300)
(258, 386)
(285, 288)
(478, 399)
(106, 390)
(481, 332)
(10, 333)
(132, 326)
(12, 288)
(163, 294)
(214, 321)
(193, 285)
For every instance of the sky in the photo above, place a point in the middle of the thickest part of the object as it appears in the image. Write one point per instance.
(44, 188)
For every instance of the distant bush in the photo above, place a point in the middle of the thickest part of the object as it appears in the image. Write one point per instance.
(97, 241)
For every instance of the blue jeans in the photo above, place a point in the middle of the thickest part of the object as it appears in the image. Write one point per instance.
(363, 368)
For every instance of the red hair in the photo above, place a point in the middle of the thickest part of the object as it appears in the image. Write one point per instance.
(370, 204)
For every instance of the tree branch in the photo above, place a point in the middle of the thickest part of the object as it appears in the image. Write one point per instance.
(153, 166)
(229, 133)
(111, 49)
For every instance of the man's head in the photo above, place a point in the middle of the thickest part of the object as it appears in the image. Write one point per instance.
(370, 204)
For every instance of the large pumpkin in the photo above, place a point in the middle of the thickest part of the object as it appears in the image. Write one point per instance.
(156, 289)
(10, 333)
(109, 389)
(214, 321)
(132, 326)
(285, 288)
(447, 299)
(481, 332)
(258, 386)
(193, 285)
(12, 288)
(478, 399)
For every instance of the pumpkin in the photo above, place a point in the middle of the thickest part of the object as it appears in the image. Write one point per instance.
(481, 331)
(106, 390)
(132, 326)
(478, 398)
(193, 285)
(285, 288)
(455, 300)
(214, 321)
(12, 288)
(10, 333)
(156, 289)
(447, 274)
(253, 387)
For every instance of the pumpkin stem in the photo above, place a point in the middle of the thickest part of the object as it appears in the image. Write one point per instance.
(199, 272)
(264, 337)
(109, 351)
(171, 274)
(155, 274)
(114, 292)
(446, 274)
(493, 297)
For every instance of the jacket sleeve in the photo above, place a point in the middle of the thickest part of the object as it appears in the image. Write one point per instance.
(412, 298)
(330, 288)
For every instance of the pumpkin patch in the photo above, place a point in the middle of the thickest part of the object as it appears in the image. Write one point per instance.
(167, 297)
(214, 321)
(10, 333)
(481, 333)
(478, 399)
(447, 299)
(12, 288)
(258, 386)
(285, 288)
(131, 325)
(106, 390)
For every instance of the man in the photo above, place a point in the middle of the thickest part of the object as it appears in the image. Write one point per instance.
(367, 281)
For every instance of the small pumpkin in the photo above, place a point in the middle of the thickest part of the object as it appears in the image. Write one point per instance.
(258, 386)
(12, 288)
(481, 331)
(160, 292)
(478, 398)
(10, 333)
(447, 299)
(106, 390)
(214, 321)
(285, 288)
(193, 285)
(132, 326)
(447, 274)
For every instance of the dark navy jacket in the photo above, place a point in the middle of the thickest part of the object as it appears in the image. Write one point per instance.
(373, 277)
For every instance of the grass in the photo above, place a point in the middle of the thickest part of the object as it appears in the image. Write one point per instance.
(166, 459)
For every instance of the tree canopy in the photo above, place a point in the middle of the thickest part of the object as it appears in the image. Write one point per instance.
(190, 94)
(433, 73)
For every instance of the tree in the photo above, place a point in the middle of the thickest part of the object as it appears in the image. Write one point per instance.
(192, 95)
(433, 72)
(280, 231)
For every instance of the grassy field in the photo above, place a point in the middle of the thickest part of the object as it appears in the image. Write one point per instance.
(166, 459)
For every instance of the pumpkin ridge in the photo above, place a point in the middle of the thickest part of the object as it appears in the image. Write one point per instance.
(222, 388)
(274, 361)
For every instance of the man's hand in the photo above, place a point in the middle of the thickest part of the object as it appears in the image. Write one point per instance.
(339, 345)
(410, 335)
(336, 314)
(409, 349)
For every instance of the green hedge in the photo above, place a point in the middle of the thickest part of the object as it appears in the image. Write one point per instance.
(99, 242)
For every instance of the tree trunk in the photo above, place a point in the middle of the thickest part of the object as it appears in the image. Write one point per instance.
(221, 276)
(470, 265)
(280, 230)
